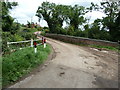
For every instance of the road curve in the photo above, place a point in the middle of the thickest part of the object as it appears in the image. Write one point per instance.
(72, 67)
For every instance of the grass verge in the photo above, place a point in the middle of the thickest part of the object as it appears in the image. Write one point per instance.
(105, 47)
(22, 62)
(94, 46)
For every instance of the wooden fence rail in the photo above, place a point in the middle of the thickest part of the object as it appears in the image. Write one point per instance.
(31, 42)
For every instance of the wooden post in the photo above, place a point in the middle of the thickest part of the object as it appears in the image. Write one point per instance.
(7, 44)
(31, 42)
(44, 42)
(35, 50)
(35, 47)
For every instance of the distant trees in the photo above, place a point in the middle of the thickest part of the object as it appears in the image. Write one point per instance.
(111, 21)
(107, 28)
(54, 15)
(75, 16)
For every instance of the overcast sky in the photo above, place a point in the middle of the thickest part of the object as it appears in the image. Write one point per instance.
(26, 9)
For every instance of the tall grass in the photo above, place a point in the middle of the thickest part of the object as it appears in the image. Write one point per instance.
(22, 62)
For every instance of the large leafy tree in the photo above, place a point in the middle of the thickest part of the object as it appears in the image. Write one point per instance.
(7, 20)
(116, 34)
(56, 14)
(53, 14)
(96, 32)
(110, 8)
(75, 16)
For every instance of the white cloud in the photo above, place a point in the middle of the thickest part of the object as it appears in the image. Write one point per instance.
(27, 9)
(94, 15)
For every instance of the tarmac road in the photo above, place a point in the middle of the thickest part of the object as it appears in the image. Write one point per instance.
(72, 67)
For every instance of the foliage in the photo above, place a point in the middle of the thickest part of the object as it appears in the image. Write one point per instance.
(5, 39)
(22, 62)
(27, 35)
(29, 24)
(22, 34)
(7, 20)
(80, 33)
(54, 15)
(75, 16)
(15, 27)
(112, 17)
(16, 37)
(46, 11)
(70, 30)
(43, 33)
(107, 28)
(46, 30)
(63, 31)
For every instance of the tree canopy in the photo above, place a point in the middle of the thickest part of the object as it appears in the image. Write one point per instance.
(110, 8)
(109, 25)
(7, 20)
(54, 15)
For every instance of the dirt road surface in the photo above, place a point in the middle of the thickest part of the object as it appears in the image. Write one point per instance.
(75, 66)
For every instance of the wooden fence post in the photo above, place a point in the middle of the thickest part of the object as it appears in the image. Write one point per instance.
(31, 42)
(7, 44)
(35, 46)
(44, 42)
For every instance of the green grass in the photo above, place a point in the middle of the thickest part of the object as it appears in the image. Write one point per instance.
(106, 47)
(22, 62)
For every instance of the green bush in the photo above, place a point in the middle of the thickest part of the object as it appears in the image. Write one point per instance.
(43, 33)
(80, 33)
(27, 35)
(46, 30)
(15, 28)
(16, 37)
(70, 31)
(32, 30)
(22, 62)
(63, 31)
(5, 38)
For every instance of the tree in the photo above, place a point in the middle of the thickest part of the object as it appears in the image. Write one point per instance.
(7, 20)
(28, 24)
(75, 16)
(110, 8)
(116, 34)
(94, 31)
(53, 14)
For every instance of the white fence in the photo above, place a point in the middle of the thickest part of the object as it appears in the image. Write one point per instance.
(31, 42)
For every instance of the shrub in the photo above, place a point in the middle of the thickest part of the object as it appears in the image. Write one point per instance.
(80, 33)
(70, 30)
(27, 35)
(63, 31)
(5, 38)
(47, 30)
(43, 33)
(16, 37)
